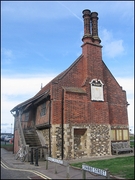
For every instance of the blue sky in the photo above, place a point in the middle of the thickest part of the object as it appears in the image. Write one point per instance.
(40, 39)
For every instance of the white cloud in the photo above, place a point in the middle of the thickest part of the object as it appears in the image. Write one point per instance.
(7, 52)
(24, 86)
(128, 85)
(17, 90)
(112, 47)
(7, 55)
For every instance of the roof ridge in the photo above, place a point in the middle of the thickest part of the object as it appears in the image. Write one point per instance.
(61, 75)
(67, 70)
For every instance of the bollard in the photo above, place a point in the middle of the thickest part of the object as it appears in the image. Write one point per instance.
(36, 161)
(55, 168)
(31, 156)
(46, 161)
(67, 172)
(108, 174)
(83, 173)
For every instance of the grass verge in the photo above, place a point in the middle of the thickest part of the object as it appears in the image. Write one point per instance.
(8, 147)
(120, 166)
(132, 141)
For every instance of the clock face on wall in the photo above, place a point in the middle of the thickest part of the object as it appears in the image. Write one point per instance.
(96, 90)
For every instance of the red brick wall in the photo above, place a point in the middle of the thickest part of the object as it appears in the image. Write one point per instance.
(80, 108)
(116, 98)
(73, 78)
(16, 140)
(118, 115)
(56, 112)
(75, 108)
(93, 61)
(98, 112)
(83, 111)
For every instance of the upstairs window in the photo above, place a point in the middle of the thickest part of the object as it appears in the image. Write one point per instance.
(27, 116)
(43, 109)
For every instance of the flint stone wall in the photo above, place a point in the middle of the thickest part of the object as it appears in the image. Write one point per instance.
(94, 141)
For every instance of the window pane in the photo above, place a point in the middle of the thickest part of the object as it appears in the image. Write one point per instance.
(119, 134)
(43, 109)
(26, 116)
(125, 134)
(113, 137)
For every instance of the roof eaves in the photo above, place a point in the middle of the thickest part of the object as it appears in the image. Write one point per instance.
(61, 75)
(70, 67)
(28, 101)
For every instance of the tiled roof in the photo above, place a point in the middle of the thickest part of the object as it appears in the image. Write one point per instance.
(29, 101)
(57, 78)
(46, 88)
(61, 75)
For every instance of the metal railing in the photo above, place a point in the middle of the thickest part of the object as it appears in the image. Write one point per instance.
(36, 154)
(22, 139)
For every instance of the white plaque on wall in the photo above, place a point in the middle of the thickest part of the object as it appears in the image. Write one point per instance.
(97, 90)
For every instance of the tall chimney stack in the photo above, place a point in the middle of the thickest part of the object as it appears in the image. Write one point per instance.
(94, 20)
(90, 19)
(91, 48)
(87, 28)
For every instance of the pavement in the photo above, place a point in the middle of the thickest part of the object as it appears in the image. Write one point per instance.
(7, 157)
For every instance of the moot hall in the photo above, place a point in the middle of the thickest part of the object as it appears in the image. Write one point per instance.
(82, 110)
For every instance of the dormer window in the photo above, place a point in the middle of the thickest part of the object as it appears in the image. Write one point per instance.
(97, 90)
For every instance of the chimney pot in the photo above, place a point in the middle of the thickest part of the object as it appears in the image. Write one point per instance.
(86, 12)
(86, 17)
(94, 20)
(94, 14)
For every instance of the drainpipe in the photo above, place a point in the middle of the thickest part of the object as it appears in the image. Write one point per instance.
(62, 125)
(14, 135)
(50, 129)
(14, 129)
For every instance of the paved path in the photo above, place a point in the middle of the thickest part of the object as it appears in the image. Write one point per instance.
(7, 157)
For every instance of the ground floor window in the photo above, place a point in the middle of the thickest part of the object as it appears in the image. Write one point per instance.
(80, 136)
(119, 134)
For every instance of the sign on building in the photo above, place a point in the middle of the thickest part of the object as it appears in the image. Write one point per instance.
(97, 90)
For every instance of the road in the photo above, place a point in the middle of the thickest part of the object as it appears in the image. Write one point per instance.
(14, 173)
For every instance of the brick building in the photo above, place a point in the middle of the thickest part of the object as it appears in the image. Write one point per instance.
(82, 110)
